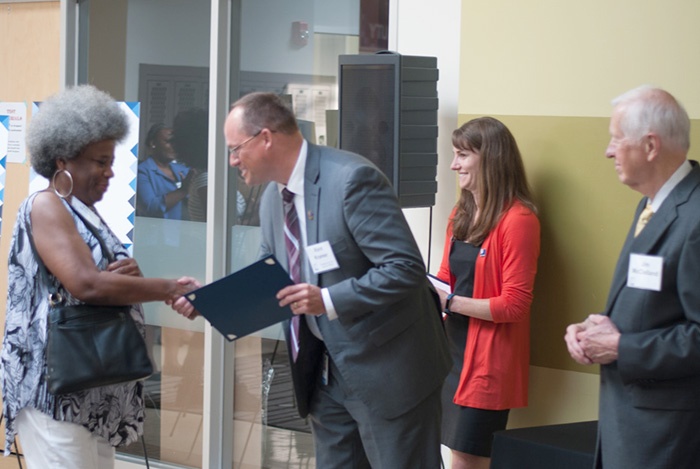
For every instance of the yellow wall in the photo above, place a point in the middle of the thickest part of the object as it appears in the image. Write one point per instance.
(549, 70)
(29, 71)
(565, 58)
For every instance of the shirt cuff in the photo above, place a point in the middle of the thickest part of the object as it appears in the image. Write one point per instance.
(328, 303)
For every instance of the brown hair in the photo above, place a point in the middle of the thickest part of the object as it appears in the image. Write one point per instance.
(501, 179)
(266, 111)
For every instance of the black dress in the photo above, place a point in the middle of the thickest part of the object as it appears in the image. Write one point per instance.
(465, 429)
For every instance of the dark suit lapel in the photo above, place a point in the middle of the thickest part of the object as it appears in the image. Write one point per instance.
(654, 231)
(305, 369)
(620, 276)
(667, 214)
(657, 226)
(312, 191)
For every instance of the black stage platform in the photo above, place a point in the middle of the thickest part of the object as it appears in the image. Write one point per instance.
(567, 446)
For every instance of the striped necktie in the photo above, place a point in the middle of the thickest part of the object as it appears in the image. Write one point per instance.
(292, 237)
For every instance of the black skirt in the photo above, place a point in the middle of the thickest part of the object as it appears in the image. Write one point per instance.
(465, 429)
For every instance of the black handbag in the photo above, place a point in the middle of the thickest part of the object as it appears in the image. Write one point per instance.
(91, 345)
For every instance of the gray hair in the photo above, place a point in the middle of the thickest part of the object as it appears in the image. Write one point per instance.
(69, 121)
(650, 109)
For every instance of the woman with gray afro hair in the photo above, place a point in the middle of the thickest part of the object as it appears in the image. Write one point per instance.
(68, 122)
(72, 140)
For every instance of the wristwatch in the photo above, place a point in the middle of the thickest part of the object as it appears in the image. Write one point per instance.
(447, 304)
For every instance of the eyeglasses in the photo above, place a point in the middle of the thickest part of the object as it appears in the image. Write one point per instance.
(234, 151)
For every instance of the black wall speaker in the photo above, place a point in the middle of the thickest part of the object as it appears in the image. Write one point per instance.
(388, 113)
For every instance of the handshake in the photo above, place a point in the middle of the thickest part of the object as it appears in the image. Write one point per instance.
(178, 301)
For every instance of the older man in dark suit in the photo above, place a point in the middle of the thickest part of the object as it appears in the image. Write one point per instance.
(648, 339)
(369, 355)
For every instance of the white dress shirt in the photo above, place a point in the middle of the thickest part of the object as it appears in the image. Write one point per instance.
(296, 185)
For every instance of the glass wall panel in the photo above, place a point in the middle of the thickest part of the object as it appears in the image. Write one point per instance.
(156, 52)
(289, 48)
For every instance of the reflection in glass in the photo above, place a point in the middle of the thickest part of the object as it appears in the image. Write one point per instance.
(144, 56)
(162, 182)
(136, 50)
(174, 396)
(190, 141)
(305, 73)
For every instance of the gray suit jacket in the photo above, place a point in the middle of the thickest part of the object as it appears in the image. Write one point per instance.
(650, 397)
(388, 342)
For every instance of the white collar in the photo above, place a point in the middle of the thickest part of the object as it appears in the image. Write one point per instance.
(682, 171)
(296, 179)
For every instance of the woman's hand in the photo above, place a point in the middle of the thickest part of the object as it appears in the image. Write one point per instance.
(127, 266)
(443, 297)
(187, 180)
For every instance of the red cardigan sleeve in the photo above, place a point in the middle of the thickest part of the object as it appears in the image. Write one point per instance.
(508, 277)
(519, 238)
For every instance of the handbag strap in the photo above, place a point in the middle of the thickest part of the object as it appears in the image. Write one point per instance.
(93, 229)
(53, 292)
(54, 296)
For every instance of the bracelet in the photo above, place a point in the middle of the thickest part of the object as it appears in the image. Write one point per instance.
(447, 304)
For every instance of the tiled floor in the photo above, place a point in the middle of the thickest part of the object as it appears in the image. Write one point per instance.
(288, 450)
(287, 442)
(284, 450)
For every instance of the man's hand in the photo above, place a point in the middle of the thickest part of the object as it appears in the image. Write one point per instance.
(572, 343)
(180, 304)
(304, 299)
(595, 340)
(600, 341)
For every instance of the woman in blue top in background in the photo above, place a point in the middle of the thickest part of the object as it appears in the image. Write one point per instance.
(162, 184)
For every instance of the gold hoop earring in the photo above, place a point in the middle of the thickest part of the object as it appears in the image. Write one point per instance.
(53, 182)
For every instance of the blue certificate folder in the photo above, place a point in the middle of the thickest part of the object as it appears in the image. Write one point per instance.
(244, 302)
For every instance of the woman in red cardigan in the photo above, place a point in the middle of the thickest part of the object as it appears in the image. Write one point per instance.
(490, 260)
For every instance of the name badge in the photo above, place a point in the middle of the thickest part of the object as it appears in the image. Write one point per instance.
(645, 272)
(321, 257)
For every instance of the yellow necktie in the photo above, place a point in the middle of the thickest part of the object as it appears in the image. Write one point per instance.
(643, 219)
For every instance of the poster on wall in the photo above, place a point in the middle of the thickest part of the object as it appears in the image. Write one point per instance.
(17, 114)
(4, 138)
(310, 102)
(117, 207)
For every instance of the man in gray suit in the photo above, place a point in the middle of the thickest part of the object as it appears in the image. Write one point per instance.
(372, 354)
(648, 339)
